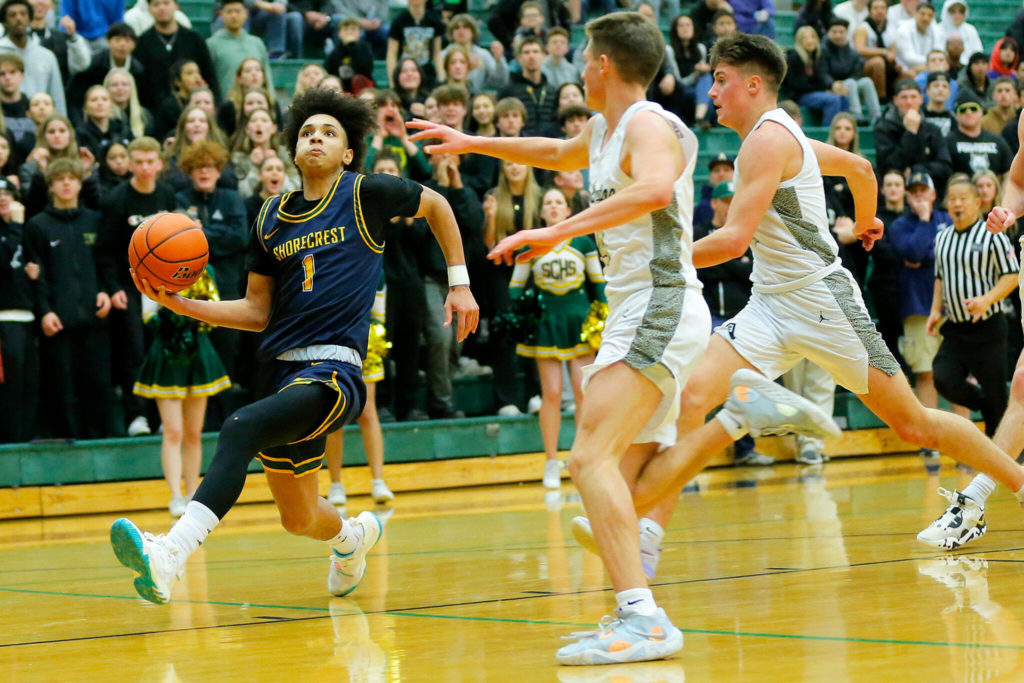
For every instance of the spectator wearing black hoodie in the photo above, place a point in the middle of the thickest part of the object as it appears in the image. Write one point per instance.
(19, 293)
(75, 347)
(222, 215)
(975, 78)
(531, 88)
(100, 128)
(352, 56)
(123, 211)
(904, 139)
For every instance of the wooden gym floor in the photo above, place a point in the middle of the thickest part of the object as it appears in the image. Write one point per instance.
(774, 574)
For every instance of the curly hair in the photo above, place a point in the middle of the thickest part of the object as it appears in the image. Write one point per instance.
(202, 153)
(357, 119)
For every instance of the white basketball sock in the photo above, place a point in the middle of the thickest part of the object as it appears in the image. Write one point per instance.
(636, 601)
(346, 540)
(192, 528)
(980, 488)
(652, 529)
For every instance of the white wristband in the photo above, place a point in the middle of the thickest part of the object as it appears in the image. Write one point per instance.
(458, 275)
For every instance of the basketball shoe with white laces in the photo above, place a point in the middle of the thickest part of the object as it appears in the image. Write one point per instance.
(347, 570)
(154, 559)
(962, 522)
(650, 548)
(619, 638)
(771, 409)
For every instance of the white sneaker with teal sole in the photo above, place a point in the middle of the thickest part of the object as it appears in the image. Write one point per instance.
(633, 638)
(771, 409)
(347, 570)
(153, 559)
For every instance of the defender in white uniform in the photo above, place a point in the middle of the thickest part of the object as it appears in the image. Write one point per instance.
(642, 161)
(658, 322)
(805, 305)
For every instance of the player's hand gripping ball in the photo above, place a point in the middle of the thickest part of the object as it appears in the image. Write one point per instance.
(168, 249)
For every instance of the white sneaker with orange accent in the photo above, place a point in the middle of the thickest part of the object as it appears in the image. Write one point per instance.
(632, 638)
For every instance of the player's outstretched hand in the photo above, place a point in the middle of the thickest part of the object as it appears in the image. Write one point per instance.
(869, 232)
(539, 242)
(452, 141)
(999, 219)
(461, 303)
(159, 295)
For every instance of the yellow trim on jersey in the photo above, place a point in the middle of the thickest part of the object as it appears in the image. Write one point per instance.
(261, 223)
(174, 391)
(553, 352)
(312, 213)
(364, 232)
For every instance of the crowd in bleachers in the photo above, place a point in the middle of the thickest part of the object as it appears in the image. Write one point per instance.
(112, 115)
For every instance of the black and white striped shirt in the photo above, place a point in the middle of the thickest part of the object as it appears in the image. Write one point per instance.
(969, 263)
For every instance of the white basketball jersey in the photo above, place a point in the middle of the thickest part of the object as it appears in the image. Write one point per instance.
(655, 250)
(793, 241)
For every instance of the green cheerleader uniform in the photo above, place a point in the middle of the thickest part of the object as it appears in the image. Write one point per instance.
(561, 275)
(182, 362)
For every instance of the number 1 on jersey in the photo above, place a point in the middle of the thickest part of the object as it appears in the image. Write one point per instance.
(308, 268)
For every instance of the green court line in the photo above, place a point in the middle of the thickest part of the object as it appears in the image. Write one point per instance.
(539, 622)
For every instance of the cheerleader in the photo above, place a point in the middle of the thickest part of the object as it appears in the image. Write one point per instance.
(568, 277)
(180, 371)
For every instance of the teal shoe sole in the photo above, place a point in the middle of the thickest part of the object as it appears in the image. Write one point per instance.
(127, 543)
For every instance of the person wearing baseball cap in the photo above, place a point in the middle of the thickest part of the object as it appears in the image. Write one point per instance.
(971, 148)
(720, 168)
(912, 236)
(904, 139)
(727, 288)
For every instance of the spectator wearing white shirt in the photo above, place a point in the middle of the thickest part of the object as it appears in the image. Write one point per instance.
(42, 72)
(141, 19)
(902, 11)
(874, 40)
(854, 11)
(954, 22)
(915, 39)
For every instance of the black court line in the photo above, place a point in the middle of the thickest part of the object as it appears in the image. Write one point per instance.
(533, 595)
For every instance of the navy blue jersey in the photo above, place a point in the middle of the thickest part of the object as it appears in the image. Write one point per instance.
(325, 258)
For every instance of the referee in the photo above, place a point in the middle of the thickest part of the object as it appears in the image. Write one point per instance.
(974, 271)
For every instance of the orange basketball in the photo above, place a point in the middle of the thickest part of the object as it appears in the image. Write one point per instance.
(168, 249)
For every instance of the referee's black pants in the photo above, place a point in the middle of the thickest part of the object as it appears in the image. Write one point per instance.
(977, 349)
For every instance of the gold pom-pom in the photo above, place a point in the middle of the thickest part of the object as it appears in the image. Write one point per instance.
(593, 325)
(377, 347)
(203, 289)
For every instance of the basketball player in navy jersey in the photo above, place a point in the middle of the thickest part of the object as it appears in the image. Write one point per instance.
(314, 262)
